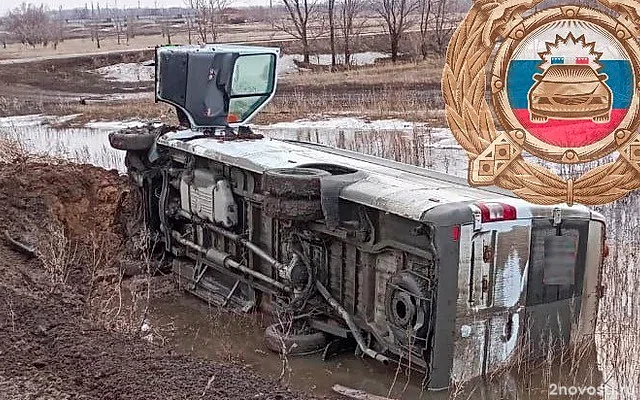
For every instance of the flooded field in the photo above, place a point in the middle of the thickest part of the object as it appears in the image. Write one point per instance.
(190, 326)
(38, 134)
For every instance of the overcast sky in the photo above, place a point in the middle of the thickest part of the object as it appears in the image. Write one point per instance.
(6, 5)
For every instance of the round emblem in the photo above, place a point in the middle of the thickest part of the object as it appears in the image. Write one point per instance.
(568, 83)
(562, 86)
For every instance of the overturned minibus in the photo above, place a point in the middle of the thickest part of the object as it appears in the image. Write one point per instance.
(413, 266)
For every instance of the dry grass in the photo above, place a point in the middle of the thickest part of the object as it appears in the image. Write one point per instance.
(254, 31)
(11, 151)
(58, 255)
(366, 104)
(144, 109)
(114, 301)
(618, 335)
(401, 74)
(406, 90)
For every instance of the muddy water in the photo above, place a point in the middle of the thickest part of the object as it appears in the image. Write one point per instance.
(189, 326)
(90, 144)
(225, 336)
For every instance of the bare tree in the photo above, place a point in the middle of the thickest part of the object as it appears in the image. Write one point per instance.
(57, 29)
(189, 22)
(166, 30)
(4, 35)
(332, 31)
(443, 26)
(118, 23)
(209, 16)
(30, 24)
(397, 16)
(131, 28)
(94, 26)
(95, 34)
(425, 14)
(301, 14)
(349, 10)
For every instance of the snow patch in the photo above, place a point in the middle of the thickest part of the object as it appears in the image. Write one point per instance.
(20, 121)
(127, 72)
(114, 125)
(286, 64)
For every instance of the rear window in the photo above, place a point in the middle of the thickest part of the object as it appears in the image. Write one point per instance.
(557, 261)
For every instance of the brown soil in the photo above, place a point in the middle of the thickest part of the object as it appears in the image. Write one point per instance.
(66, 85)
(408, 90)
(52, 343)
(72, 74)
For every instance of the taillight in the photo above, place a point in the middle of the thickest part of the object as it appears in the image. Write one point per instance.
(492, 212)
(455, 233)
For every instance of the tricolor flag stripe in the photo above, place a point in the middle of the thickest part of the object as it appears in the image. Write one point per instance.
(569, 132)
(520, 80)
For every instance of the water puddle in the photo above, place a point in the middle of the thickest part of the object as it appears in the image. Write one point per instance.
(433, 148)
(87, 145)
(192, 327)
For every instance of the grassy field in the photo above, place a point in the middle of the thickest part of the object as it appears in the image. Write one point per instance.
(253, 32)
(244, 32)
(405, 90)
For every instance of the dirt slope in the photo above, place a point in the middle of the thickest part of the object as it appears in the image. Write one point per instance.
(51, 343)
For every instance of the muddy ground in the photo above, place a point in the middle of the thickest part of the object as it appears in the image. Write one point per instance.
(66, 86)
(67, 328)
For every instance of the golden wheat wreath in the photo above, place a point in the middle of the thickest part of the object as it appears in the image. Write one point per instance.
(495, 158)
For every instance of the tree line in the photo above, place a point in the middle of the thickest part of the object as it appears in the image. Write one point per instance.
(342, 21)
(429, 24)
(32, 26)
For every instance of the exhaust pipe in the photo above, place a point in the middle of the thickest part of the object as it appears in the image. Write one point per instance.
(239, 239)
(352, 325)
(225, 260)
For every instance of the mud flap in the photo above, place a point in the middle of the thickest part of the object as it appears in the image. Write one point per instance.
(330, 187)
(214, 286)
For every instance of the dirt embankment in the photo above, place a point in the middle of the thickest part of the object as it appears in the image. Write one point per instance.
(70, 317)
